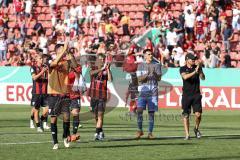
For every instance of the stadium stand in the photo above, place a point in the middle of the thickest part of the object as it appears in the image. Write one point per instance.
(84, 27)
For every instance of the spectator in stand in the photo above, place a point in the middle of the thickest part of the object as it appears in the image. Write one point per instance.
(214, 55)
(206, 57)
(115, 10)
(189, 24)
(90, 9)
(188, 6)
(73, 12)
(107, 12)
(164, 52)
(28, 10)
(149, 44)
(38, 27)
(102, 49)
(168, 60)
(178, 54)
(236, 19)
(200, 7)
(179, 28)
(98, 11)
(227, 36)
(67, 14)
(108, 27)
(18, 8)
(43, 40)
(212, 29)
(214, 13)
(52, 5)
(10, 35)
(3, 48)
(222, 18)
(199, 30)
(171, 39)
(209, 3)
(146, 13)
(162, 4)
(79, 12)
(182, 61)
(60, 27)
(125, 21)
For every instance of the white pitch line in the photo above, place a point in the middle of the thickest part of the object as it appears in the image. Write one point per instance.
(23, 143)
(117, 137)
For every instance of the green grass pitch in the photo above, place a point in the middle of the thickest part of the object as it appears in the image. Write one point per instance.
(220, 129)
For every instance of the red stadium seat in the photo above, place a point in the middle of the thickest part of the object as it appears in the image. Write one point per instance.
(41, 17)
(141, 7)
(11, 24)
(234, 63)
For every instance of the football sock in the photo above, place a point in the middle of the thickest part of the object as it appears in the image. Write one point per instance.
(151, 122)
(54, 132)
(97, 130)
(32, 117)
(38, 124)
(75, 124)
(140, 120)
(66, 129)
(43, 118)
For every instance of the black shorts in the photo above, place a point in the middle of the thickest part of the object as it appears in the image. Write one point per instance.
(39, 100)
(27, 15)
(194, 101)
(189, 30)
(75, 104)
(98, 105)
(58, 105)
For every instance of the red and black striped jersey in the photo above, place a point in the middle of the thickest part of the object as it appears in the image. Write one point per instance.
(98, 86)
(39, 85)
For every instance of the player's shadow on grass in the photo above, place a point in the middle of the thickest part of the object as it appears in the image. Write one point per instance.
(133, 145)
(224, 137)
(211, 158)
(141, 145)
(221, 128)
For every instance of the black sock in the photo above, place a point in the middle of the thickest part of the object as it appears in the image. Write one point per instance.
(75, 124)
(100, 130)
(97, 130)
(66, 129)
(38, 124)
(46, 119)
(54, 132)
(32, 117)
(43, 118)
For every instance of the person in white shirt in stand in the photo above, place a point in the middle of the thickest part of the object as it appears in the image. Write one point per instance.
(178, 55)
(52, 5)
(73, 12)
(187, 7)
(43, 41)
(189, 24)
(3, 48)
(98, 12)
(60, 26)
(236, 19)
(171, 39)
(213, 28)
(28, 10)
(79, 11)
(89, 11)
